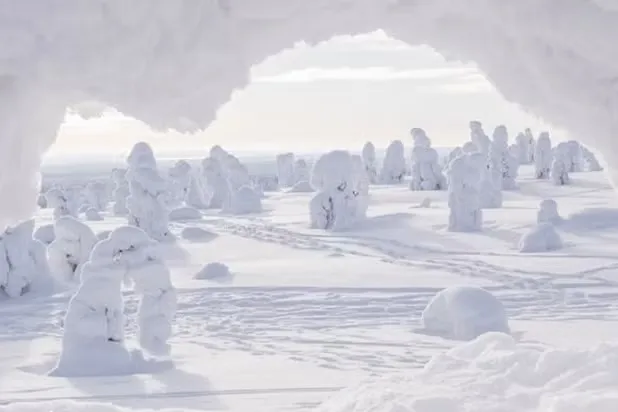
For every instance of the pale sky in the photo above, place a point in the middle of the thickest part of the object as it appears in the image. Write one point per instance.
(335, 95)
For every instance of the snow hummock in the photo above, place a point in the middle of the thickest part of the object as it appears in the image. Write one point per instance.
(213, 271)
(464, 313)
(184, 213)
(541, 238)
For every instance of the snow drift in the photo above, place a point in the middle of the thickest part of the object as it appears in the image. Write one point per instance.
(172, 64)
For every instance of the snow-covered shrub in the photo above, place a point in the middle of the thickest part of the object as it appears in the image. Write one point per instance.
(575, 161)
(543, 156)
(548, 212)
(469, 147)
(369, 161)
(464, 193)
(561, 164)
(120, 192)
(394, 165)
(185, 213)
(96, 195)
(478, 137)
(197, 234)
(213, 271)
(285, 169)
(502, 159)
(334, 206)
(22, 259)
(92, 214)
(244, 200)
(590, 160)
(426, 172)
(302, 173)
(146, 203)
(45, 234)
(57, 199)
(541, 238)
(216, 182)
(42, 201)
(270, 183)
(464, 313)
(302, 186)
(70, 249)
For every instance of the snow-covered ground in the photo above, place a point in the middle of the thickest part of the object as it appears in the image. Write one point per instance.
(305, 313)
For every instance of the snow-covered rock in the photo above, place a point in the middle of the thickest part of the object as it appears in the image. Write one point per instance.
(464, 313)
(465, 213)
(541, 238)
(302, 186)
(369, 161)
(394, 165)
(543, 156)
(478, 137)
(285, 169)
(561, 164)
(70, 249)
(213, 271)
(185, 213)
(245, 200)
(45, 234)
(92, 214)
(425, 171)
(548, 212)
(197, 234)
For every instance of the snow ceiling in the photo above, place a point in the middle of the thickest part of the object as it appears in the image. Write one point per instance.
(172, 63)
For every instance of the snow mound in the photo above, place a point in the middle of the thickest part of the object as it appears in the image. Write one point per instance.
(45, 234)
(197, 234)
(93, 215)
(185, 213)
(463, 313)
(301, 187)
(541, 238)
(494, 373)
(213, 271)
(245, 200)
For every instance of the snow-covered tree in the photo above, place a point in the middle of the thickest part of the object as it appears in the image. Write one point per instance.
(146, 203)
(70, 249)
(469, 147)
(548, 212)
(575, 161)
(216, 182)
(394, 165)
(197, 196)
(42, 201)
(590, 160)
(560, 165)
(121, 192)
(335, 205)
(96, 195)
(543, 156)
(58, 200)
(426, 172)
(531, 145)
(464, 193)
(478, 137)
(302, 173)
(522, 148)
(369, 162)
(361, 191)
(285, 169)
(244, 200)
(501, 156)
(453, 154)
(180, 176)
(22, 259)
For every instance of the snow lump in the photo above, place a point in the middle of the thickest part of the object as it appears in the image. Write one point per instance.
(541, 238)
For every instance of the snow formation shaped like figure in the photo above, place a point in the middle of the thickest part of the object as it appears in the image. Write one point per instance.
(369, 160)
(541, 238)
(302, 173)
(575, 161)
(216, 182)
(543, 156)
(58, 200)
(501, 158)
(197, 195)
(92, 214)
(22, 260)
(426, 172)
(335, 205)
(70, 249)
(285, 169)
(394, 165)
(560, 165)
(151, 279)
(464, 313)
(464, 193)
(478, 137)
(245, 200)
(121, 192)
(548, 212)
(146, 203)
(590, 160)
(213, 271)
(180, 181)
(96, 195)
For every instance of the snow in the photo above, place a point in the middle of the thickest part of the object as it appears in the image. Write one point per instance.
(197, 234)
(45, 233)
(464, 313)
(394, 164)
(464, 200)
(184, 213)
(245, 200)
(70, 249)
(302, 186)
(213, 271)
(562, 164)
(542, 238)
(368, 154)
(543, 156)
(548, 212)
(426, 172)
(92, 214)
(285, 169)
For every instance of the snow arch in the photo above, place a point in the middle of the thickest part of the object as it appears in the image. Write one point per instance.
(172, 63)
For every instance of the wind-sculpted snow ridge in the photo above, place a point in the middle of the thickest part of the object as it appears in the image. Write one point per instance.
(173, 64)
(494, 373)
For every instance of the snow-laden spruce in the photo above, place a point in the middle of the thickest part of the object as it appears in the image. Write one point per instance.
(464, 313)
(285, 169)
(302, 186)
(120, 192)
(42, 201)
(58, 200)
(478, 137)
(184, 213)
(215, 182)
(522, 148)
(469, 147)
(361, 190)
(501, 157)
(548, 212)
(540, 238)
(531, 145)
(425, 171)
(147, 202)
(560, 165)
(197, 195)
(369, 161)
(335, 206)
(45, 234)
(70, 249)
(394, 164)
(22, 260)
(543, 156)
(574, 160)
(302, 173)
(244, 200)
(179, 182)
(465, 213)
(96, 196)
(590, 160)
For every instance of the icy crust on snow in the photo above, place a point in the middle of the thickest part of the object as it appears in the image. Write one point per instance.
(162, 61)
(495, 373)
